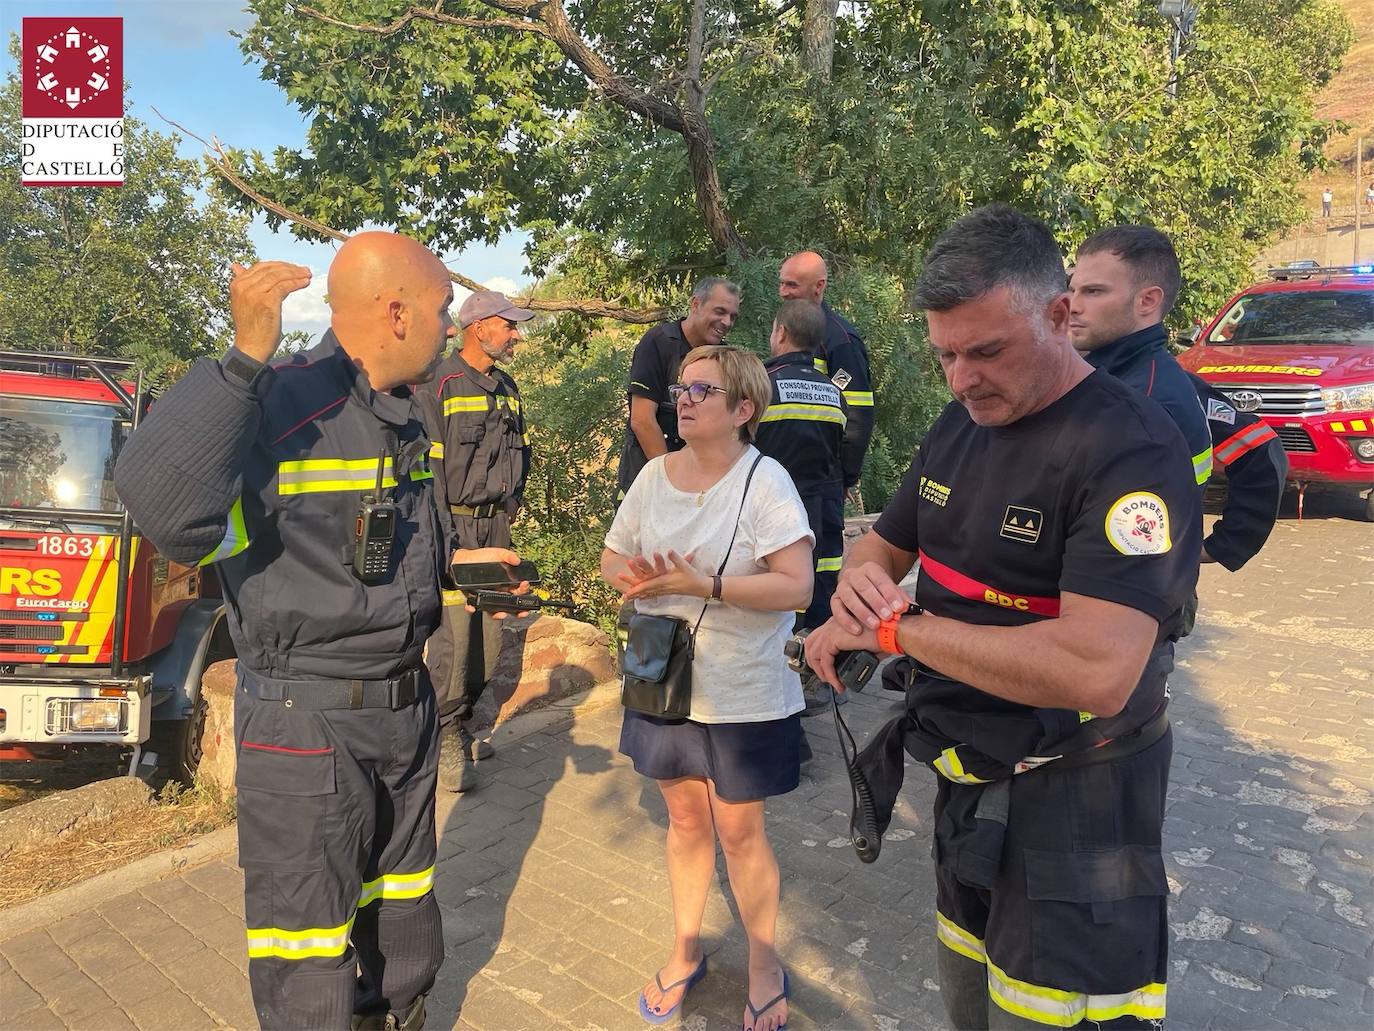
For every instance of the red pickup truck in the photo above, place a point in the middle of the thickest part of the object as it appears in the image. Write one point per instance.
(1299, 351)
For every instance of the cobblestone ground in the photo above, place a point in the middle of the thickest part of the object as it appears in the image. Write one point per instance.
(555, 900)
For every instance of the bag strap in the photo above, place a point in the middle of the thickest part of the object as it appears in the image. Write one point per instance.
(733, 533)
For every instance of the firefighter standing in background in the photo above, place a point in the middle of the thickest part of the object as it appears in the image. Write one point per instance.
(803, 429)
(481, 458)
(844, 360)
(1124, 285)
(267, 471)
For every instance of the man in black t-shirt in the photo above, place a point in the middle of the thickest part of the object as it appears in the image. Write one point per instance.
(651, 429)
(1058, 526)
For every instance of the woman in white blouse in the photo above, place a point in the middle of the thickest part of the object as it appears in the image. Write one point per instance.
(741, 741)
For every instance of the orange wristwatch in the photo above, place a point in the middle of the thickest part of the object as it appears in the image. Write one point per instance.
(887, 629)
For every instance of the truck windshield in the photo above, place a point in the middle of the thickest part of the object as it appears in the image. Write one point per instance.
(59, 454)
(1319, 317)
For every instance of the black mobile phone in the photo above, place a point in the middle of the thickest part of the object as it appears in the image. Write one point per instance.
(492, 576)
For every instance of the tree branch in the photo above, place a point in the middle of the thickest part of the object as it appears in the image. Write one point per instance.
(549, 19)
(753, 21)
(219, 161)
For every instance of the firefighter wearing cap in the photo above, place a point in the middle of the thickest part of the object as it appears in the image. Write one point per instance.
(266, 470)
(480, 456)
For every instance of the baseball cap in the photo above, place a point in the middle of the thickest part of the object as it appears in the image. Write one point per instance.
(486, 304)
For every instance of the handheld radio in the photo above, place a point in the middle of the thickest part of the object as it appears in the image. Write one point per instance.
(374, 532)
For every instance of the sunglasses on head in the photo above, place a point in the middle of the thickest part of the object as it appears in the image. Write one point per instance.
(696, 392)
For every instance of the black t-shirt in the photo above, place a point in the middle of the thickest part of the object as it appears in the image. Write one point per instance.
(653, 368)
(1093, 495)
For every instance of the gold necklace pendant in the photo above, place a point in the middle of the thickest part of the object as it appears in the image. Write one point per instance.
(701, 497)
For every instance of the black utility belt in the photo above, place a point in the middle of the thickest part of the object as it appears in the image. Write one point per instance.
(487, 511)
(395, 693)
(1118, 748)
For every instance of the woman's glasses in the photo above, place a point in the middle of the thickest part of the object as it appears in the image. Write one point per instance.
(696, 392)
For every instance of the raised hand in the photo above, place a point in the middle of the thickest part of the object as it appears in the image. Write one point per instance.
(256, 294)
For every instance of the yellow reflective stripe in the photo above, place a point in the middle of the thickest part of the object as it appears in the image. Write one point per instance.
(235, 536)
(861, 398)
(307, 944)
(1202, 465)
(821, 365)
(952, 936)
(323, 475)
(454, 597)
(453, 405)
(803, 412)
(828, 565)
(311, 465)
(436, 450)
(1357, 425)
(397, 886)
(1059, 1008)
(951, 768)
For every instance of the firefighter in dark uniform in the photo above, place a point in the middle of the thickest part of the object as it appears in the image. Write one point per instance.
(1256, 468)
(844, 360)
(1058, 526)
(271, 473)
(1125, 280)
(651, 426)
(481, 459)
(1124, 283)
(803, 430)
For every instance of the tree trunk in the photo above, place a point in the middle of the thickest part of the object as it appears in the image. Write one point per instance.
(818, 37)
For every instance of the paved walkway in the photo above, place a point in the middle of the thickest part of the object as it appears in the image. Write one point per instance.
(555, 901)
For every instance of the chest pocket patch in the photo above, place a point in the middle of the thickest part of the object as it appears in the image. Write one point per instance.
(1022, 524)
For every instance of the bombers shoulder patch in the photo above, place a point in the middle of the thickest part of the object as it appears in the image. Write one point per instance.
(1138, 524)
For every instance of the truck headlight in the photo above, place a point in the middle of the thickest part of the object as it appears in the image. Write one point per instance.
(1358, 397)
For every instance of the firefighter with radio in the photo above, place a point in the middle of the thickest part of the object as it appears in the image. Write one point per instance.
(481, 458)
(1056, 517)
(307, 482)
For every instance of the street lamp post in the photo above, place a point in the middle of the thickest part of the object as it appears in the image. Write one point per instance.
(1182, 17)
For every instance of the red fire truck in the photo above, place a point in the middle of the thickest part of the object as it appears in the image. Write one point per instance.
(1299, 350)
(102, 640)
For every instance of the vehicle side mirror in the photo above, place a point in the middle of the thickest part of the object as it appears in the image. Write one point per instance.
(1189, 338)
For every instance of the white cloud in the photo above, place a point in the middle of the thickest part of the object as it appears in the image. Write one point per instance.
(505, 284)
(306, 309)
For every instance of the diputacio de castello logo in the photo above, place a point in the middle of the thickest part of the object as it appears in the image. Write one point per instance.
(73, 102)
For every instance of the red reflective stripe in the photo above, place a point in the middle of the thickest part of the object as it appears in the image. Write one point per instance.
(310, 418)
(967, 587)
(288, 751)
(1246, 440)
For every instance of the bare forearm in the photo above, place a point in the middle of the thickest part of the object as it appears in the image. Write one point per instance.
(650, 437)
(769, 592)
(1049, 664)
(613, 567)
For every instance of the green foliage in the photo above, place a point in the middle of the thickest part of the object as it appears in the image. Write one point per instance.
(139, 271)
(1063, 108)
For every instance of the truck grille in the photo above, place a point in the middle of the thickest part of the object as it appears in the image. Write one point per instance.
(45, 632)
(1295, 438)
(1281, 398)
(42, 616)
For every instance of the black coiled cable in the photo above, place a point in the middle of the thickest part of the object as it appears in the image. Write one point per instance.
(863, 818)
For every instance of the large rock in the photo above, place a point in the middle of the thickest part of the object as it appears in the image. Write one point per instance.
(217, 760)
(63, 812)
(543, 659)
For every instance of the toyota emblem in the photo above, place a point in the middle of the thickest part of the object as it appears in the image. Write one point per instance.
(1247, 400)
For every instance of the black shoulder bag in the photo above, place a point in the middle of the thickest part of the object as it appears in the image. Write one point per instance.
(657, 664)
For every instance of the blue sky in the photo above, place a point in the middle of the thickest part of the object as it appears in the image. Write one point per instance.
(180, 58)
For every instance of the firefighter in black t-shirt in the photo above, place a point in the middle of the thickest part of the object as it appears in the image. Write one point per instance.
(651, 429)
(1057, 522)
(804, 429)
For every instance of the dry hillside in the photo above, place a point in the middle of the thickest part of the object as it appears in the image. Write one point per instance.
(1350, 98)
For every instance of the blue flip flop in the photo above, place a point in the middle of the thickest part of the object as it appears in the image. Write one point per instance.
(690, 980)
(757, 1012)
